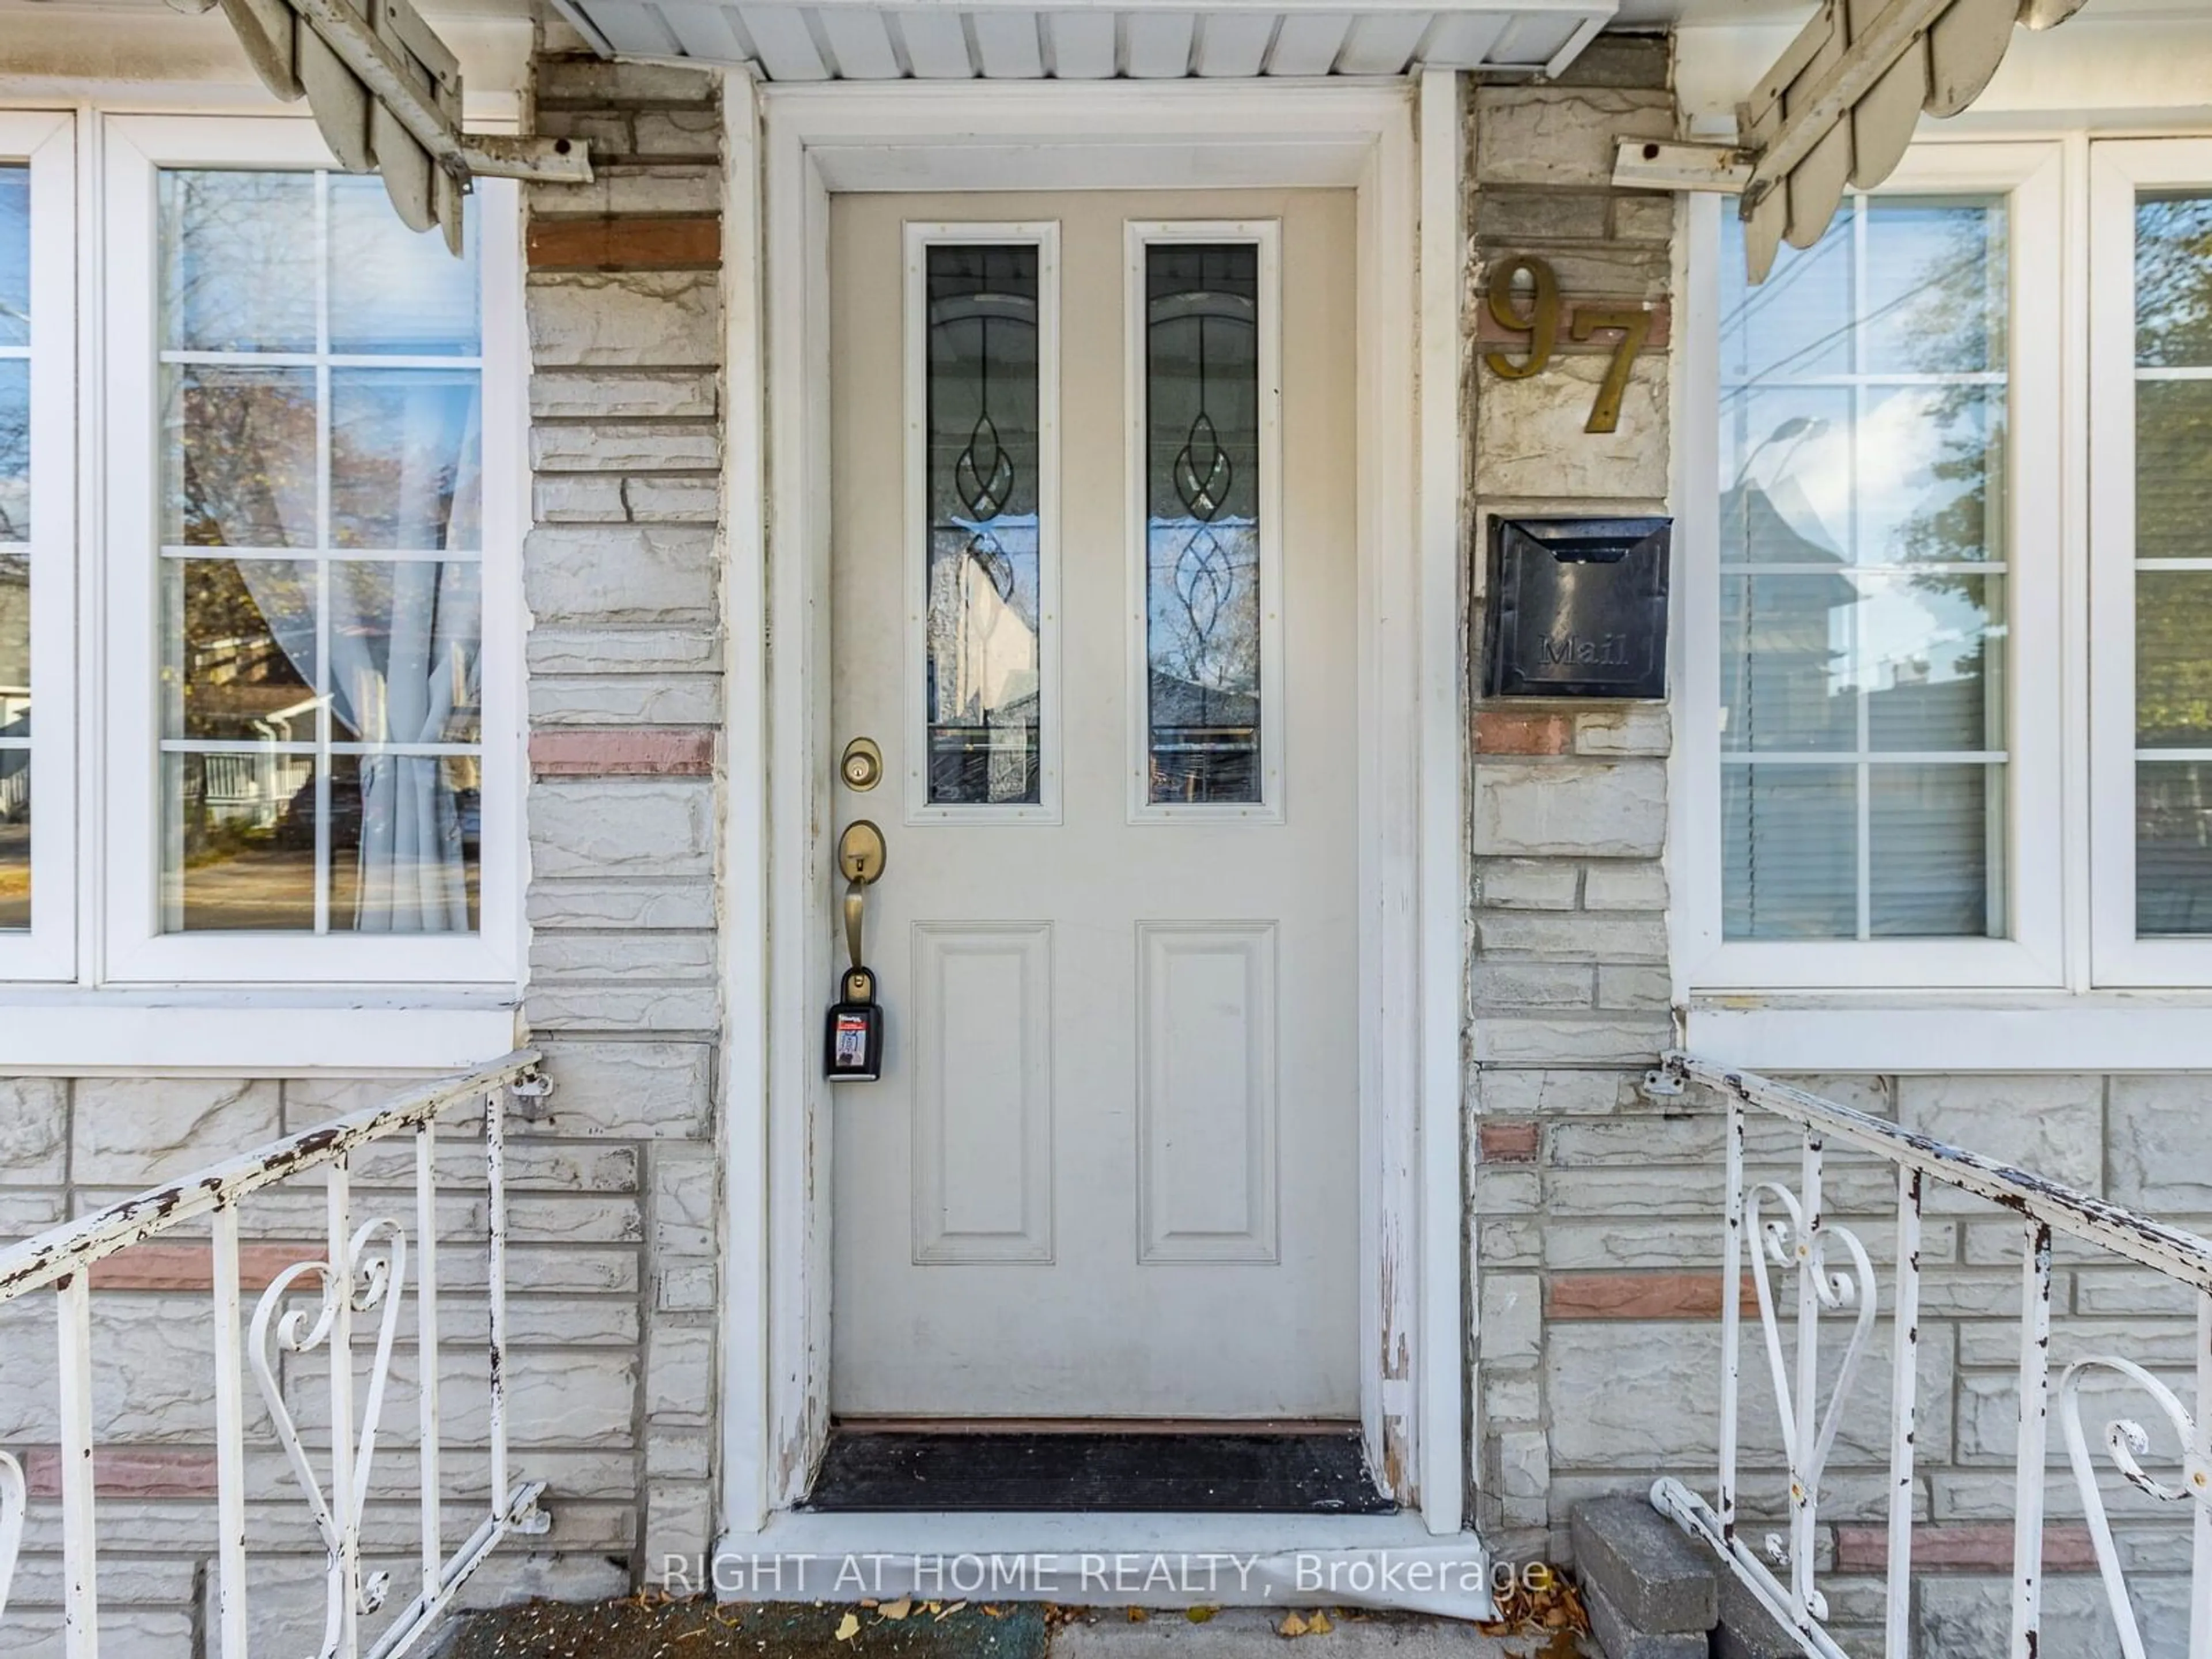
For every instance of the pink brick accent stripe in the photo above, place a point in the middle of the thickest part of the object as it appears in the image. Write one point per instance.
(191, 1266)
(127, 1472)
(1981, 1547)
(1640, 1295)
(1489, 331)
(623, 751)
(625, 244)
(1512, 732)
(1508, 1142)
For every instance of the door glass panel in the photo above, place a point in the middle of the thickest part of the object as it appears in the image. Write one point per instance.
(984, 648)
(1202, 523)
(14, 547)
(1863, 565)
(2173, 573)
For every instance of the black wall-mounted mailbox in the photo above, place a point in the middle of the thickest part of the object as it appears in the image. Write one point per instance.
(1577, 608)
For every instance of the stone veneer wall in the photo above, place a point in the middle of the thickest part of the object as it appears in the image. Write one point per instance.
(621, 573)
(614, 1194)
(1596, 1213)
(1568, 981)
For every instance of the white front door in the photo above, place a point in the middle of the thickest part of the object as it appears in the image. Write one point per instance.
(1094, 598)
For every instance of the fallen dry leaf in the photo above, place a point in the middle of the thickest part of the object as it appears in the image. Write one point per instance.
(848, 1627)
(948, 1612)
(898, 1609)
(1138, 1615)
(1319, 1625)
(1293, 1624)
(1550, 1606)
(1199, 1615)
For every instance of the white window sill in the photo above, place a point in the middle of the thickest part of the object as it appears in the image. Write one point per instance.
(1953, 1031)
(252, 1033)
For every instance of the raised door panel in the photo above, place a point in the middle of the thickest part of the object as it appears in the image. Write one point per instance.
(982, 1092)
(1207, 1102)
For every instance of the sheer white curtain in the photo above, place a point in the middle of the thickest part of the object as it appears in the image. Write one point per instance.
(403, 658)
(405, 639)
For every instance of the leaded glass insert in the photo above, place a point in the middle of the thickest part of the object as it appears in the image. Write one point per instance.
(1863, 578)
(1202, 525)
(984, 651)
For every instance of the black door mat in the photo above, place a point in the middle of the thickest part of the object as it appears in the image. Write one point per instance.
(1320, 1474)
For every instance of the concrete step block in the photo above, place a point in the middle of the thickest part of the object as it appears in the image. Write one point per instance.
(1656, 1578)
(1748, 1629)
(1623, 1640)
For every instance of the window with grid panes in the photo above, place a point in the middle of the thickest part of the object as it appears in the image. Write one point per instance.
(1863, 578)
(15, 546)
(321, 618)
(2172, 562)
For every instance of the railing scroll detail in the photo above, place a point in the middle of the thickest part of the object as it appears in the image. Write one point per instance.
(1836, 1280)
(312, 1306)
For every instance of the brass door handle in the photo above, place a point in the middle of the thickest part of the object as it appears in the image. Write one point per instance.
(861, 856)
(861, 853)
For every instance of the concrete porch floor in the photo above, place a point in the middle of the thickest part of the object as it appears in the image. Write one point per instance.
(634, 1628)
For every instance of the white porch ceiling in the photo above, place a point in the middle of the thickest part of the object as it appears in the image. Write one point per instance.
(1141, 39)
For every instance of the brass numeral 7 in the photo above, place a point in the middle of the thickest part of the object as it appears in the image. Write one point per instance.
(1635, 328)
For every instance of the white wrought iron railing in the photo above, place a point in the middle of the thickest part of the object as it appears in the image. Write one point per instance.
(360, 1283)
(1779, 1229)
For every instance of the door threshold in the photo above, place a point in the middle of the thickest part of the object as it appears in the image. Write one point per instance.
(1093, 1425)
(1124, 1470)
(1119, 1559)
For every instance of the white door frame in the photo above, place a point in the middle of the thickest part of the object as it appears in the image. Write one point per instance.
(789, 148)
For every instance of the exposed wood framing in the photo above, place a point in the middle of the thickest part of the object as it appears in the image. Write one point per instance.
(386, 95)
(1837, 110)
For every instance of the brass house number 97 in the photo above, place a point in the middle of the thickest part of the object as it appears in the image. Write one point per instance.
(1535, 313)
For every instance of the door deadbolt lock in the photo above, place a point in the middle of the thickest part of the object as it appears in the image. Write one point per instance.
(861, 767)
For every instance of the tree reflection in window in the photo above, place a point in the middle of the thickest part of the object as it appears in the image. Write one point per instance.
(14, 547)
(984, 650)
(1862, 586)
(2173, 599)
(1202, 531)
(321, 528)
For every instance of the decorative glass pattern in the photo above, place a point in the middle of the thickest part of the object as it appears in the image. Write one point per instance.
(321, 541)
(1202, 529)
(1863, 578)
(14, 547)
(984, 647)
(2173, 570)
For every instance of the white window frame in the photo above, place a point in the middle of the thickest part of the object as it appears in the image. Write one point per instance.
(2118, 168)
(918, 238)
(2030, 175)
(1266, 234)
(46, 141)
(134, 148)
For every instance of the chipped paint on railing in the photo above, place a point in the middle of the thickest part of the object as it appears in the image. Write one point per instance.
(308, 1307)
(2174, 1251)
(42, 1260)
(1802, 1238)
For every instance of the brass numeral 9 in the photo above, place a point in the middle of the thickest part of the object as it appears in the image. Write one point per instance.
(1539, 320)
